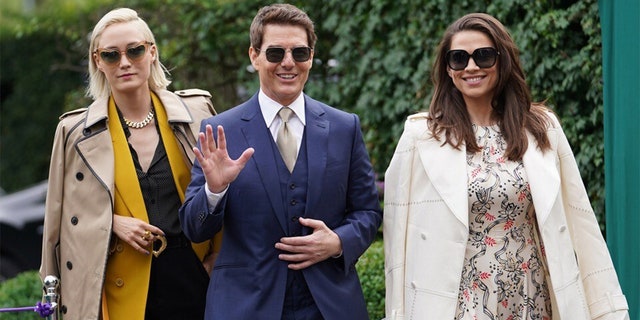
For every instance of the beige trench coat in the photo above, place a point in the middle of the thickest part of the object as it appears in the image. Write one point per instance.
(425, 230)
(80, 195)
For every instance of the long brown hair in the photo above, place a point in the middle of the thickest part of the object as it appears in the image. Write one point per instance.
(512, 107)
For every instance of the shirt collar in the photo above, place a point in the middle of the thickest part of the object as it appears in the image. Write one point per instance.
(270, 108)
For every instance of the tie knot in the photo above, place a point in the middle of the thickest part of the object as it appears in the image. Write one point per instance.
(285, 114)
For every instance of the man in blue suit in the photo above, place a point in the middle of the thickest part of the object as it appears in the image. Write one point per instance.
(299, 204)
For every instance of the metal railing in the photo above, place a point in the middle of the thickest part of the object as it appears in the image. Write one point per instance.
(47, 309)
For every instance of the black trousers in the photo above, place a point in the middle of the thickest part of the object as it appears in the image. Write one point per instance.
(178, 284)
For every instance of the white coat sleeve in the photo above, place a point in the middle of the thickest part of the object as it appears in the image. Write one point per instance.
(602, 289)
(396, 214)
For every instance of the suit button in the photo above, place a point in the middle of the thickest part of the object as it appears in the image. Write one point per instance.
(69, 265)
(293, 202)
(294, 219)
(423, 236)
(563, 228)
(74, 220)
(119, 282)
(292, 186)
(119, 248)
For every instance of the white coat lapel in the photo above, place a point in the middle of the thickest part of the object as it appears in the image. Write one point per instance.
(544, 179)
(446, 168)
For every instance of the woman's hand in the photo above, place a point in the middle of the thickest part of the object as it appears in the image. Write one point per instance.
(137, 233)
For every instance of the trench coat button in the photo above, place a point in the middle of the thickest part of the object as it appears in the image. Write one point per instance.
(563, 228)
(86, 132)
(74, 220)
(423, 236)
(64, 309)
(119, 282)
(119, 248)
(79, 176)
(69, 265)
(413, 285)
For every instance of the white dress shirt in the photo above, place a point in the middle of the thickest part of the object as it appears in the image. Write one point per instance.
(269, 109)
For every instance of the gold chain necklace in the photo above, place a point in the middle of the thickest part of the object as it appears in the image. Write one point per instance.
(140, 124)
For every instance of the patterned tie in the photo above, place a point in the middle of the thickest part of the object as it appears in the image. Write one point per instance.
(285, 140)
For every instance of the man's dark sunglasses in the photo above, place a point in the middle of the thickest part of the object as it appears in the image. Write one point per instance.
(483, 57)
(276, 54)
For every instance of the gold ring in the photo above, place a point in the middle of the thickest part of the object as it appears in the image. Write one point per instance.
(147, 235)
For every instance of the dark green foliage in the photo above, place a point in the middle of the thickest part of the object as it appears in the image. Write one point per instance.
(24, 290)
(34, 82)
(383, 49)
(205, 45)
(371, 272)
(386, 49)
(42, 65)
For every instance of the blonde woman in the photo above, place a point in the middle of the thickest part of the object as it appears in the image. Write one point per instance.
(118, 173)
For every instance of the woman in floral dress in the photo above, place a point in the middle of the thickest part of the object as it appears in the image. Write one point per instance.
(486, 216)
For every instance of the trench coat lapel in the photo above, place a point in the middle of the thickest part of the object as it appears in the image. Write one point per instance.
(258, 137)
(543, 176)
(445, 167)
(96, 147)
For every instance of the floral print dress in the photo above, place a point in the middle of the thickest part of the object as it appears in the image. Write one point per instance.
(504, 272)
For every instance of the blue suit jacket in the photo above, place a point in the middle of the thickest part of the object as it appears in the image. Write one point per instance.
(248, 281)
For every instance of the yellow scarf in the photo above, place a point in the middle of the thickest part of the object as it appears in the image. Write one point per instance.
(127, 276)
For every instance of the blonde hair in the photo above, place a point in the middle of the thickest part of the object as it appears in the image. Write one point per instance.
(98, 84)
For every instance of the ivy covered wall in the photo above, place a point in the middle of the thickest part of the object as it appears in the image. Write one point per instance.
(373, 58)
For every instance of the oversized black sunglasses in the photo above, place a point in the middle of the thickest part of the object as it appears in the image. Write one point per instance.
(483, 57)
(276, 54)
(134, 53)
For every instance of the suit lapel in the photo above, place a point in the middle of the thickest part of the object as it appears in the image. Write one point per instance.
(317, 131)
(446, 169)
(542, 172)
(259, 138)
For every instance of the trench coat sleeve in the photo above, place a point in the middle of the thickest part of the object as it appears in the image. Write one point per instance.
(601, 285)
(53, 206)
(396, 214)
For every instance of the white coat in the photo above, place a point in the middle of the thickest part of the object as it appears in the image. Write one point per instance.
(426, 226)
